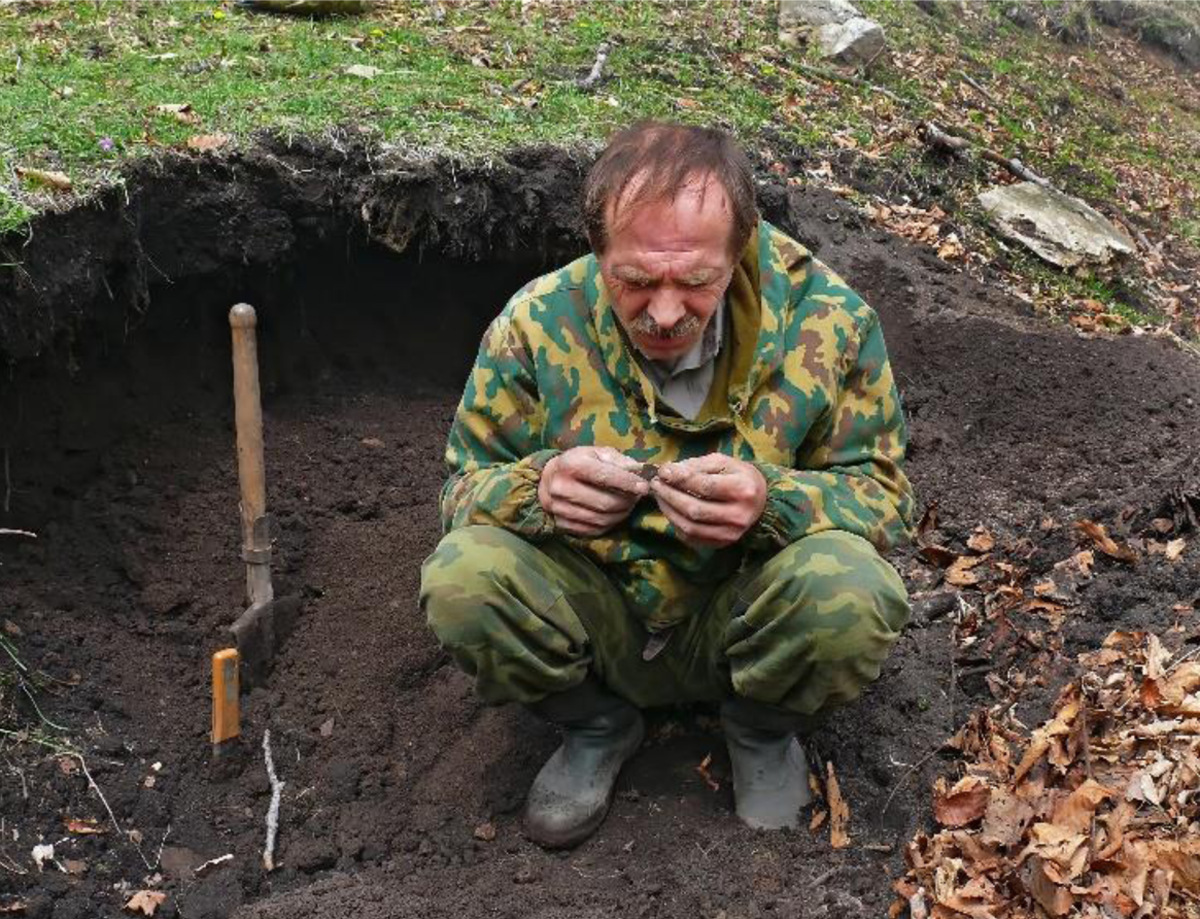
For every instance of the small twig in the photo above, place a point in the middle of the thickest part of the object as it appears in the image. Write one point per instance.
(904, 778)
(4, 531)
(273, 810)
(960, 147)
(9, 865)
(831, 76)
(966, 78)
(111, 816)
(597, 72)
(33, 702)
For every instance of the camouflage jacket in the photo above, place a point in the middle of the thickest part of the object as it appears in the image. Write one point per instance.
(809, 399)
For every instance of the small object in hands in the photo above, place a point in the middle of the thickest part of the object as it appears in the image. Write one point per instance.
(648, 471)
(226, 721)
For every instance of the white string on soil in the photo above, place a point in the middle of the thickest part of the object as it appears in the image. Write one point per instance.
(273, 810)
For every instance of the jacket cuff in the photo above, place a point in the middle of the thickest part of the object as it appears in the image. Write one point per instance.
(532, 519)
(777, 526)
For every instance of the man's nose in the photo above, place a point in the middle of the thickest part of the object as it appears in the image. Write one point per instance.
(666, 309)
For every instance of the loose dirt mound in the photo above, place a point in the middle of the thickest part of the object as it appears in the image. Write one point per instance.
(396, 777)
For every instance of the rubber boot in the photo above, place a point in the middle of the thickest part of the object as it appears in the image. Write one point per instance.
(770, 771)
(570, 796)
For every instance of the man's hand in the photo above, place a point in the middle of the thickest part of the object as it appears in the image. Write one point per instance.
(712, 500)
(589, 490)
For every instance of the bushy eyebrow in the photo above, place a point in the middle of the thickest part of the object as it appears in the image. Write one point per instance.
(632, 275)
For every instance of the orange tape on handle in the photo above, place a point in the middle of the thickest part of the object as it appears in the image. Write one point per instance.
(226, 713)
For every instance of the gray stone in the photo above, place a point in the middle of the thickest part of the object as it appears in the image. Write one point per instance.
(1062, 230)
(855, 41)
(843, 34)
(812, 14)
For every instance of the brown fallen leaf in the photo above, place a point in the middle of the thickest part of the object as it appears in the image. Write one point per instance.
(702, 769)
(818, 818)
(59, 181)
(1078, 809)
(204, 142)
(839, 811)
(12, 628)
(145, 902)
(1006, 818)
(981, 540)
(485, 832)
(180, 111)
(1054, 899)
(960, 574)
(1105, 543)
(84, 827)
(1174, 549)
(928, 523)
(939, 555)
(961, 805)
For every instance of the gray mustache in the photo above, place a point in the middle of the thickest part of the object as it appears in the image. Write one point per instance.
(644, 324)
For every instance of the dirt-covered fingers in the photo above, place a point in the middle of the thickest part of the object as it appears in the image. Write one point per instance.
(698, 522)
(613, 471)
(586, 494)
(711, 500)
(582, 521)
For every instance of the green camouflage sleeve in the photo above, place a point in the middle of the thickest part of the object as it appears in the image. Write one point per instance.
(848, 473)
(495, 454)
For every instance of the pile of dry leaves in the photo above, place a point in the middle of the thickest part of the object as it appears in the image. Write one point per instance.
(1093, 815)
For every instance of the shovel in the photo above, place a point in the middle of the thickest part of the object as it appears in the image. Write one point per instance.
(267, 622)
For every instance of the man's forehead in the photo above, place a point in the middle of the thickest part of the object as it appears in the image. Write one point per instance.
(702, 194)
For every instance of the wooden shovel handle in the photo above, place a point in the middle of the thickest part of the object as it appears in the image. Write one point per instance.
(247, 404)
(252, 476)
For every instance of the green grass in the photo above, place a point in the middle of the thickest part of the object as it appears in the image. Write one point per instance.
(81, 85)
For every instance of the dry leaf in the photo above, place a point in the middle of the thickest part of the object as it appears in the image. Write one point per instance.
(963, 804)
(981, 540)
(939, 555)
(702, 769)
(1006, 818)
(929, 523)
(364, 71)
(12, 628)
(145, 902)
(486, 831)
(1174, 549)
(1105, 543)
(1078, 809)
(84, 827)
(180, 111)
(59, 181)
(960, 574)
(204, 142)
(839, 811)
(818, 818)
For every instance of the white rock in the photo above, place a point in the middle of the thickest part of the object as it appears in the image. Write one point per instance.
(42, 853)
(1063, 230)
(855, 41)
(800, 14)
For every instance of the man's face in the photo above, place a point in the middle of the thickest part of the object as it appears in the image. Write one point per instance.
(667, 266)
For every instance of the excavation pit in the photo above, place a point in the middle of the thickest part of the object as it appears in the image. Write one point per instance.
(403, 793)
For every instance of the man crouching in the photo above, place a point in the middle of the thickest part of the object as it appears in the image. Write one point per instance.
(674, 465)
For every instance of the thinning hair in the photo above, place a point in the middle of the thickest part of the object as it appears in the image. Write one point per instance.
(661, 160)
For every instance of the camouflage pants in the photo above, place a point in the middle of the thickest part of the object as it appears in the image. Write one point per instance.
(806, 630)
